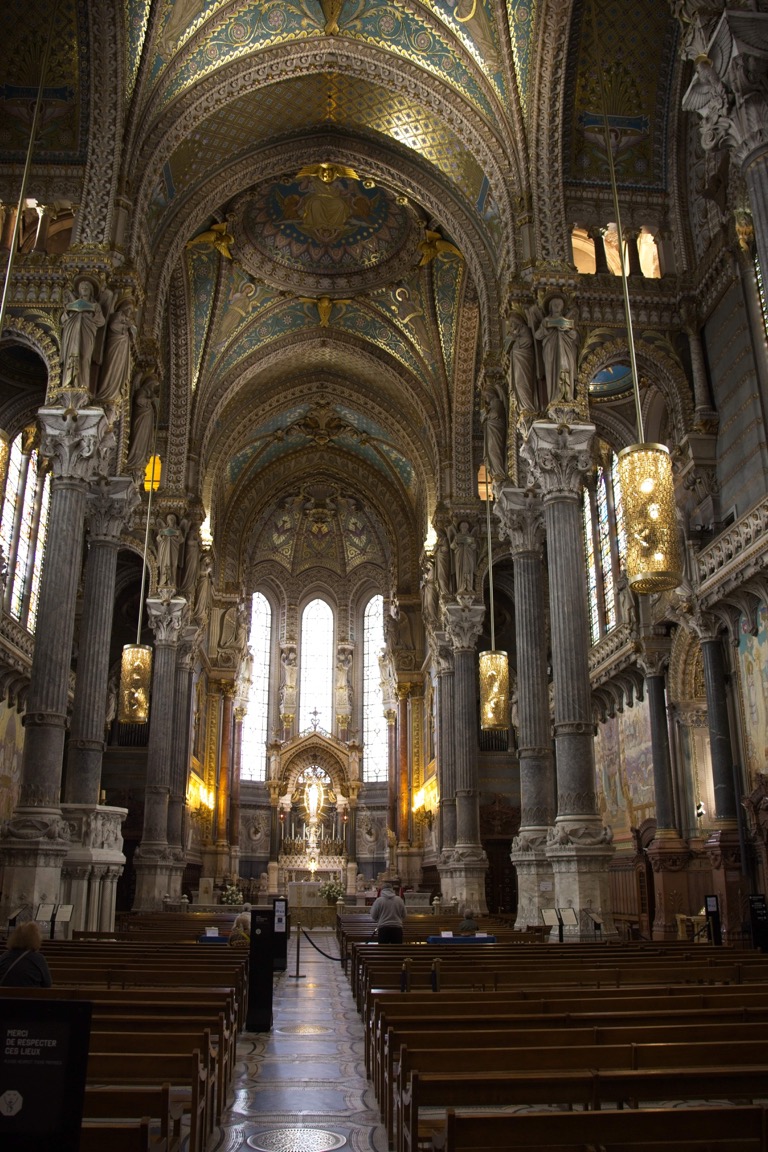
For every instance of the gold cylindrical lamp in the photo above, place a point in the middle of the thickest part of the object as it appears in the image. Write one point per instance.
(135, 678)
(494, 690)
(654, 558)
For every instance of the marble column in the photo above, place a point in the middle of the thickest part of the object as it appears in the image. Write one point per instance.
(668, 853)
(110, 506)
(442, 657)
(34, 842)
(238, 716)
(273, 867)
(403, 775)
(153, 858)
(186, 657)
(520, 516)
(601, 261)
(468, 862)
(722, 844)
(579, 847)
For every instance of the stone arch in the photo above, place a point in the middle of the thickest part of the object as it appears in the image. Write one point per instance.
(326, 752)
(686, 668)
(656, 366)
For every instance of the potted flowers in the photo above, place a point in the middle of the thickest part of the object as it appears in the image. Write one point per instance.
(331, 891)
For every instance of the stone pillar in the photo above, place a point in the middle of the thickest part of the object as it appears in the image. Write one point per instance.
(186, 656)
(273, 868)
(153, 857)
(723, 841)
(579, 846)
(391, 718)
(110, 508)
(93, 864)
(34, 842)
(668, 853)
(728, 92)
(445, 750)
(633, 252)
(403, 777)
(519, 513)
(601, 262)
(234, 804)
(468, 863)
(701, 389)
(351, 877)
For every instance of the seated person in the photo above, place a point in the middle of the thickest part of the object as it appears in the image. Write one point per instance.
(242, 924)
(468, 926)
(23, 964)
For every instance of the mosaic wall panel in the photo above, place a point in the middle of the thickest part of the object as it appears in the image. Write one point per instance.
(753, 683)
(11, 746)
(522, 16)
(136, 17)
(625, 770)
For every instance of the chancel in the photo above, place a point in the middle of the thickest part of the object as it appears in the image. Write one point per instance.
(328, 332)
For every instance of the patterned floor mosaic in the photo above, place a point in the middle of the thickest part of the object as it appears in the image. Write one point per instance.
(302, 1086)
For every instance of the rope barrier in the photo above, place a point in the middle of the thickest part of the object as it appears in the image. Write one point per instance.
(311, 941)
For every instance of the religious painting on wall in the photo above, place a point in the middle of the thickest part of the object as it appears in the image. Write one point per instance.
(637, 758)
(753, 682)
(11, 747)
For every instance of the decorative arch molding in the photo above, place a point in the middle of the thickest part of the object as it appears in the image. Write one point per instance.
(547, 104)
(434, 194)
(33, 335)
(667, 376)
(107, 55)
(685, 678)
(179, 400)
(490, 143)
(326, 752)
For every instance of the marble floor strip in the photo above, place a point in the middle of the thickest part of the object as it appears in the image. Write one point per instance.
(302, 1087)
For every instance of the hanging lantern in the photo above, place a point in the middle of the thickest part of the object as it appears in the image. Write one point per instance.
(654, 558)
(494, 690)
(135, 677)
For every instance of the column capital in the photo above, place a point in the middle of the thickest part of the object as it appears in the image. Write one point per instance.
(559, 456)
(110, 507)
(166, 619)
(728, 89)
(463, 625)
(441, 653)
(520, 519)
(77, 441)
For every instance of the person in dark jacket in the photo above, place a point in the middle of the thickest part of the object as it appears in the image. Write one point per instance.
(388, 913)
(23, 965)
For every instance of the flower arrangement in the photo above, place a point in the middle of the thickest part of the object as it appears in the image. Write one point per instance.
(232, 895)
(332, 890)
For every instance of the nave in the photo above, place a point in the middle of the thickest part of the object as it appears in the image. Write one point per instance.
(302, 1087)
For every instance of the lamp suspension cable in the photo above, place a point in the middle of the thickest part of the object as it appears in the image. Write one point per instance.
(653, 557)
(490, 554)
(27, 164)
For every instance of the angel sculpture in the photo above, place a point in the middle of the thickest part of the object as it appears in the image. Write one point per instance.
(81, 320)
(433, 245)
(219, 236)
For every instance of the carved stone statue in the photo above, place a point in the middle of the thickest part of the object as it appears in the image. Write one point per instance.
(203, 593)
(121, 333)
(522, 358)
(430, 593)
(494, 418)
(168, 538)
(191, 565)
(443, 563)
(80, 321)
(464, 547)
(343, 679)
(560, 348)
(143, 417)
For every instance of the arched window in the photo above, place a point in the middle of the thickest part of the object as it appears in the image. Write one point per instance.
(317, 664)
(604, 546)
(374, 724)
(253, 756)
(23, 528)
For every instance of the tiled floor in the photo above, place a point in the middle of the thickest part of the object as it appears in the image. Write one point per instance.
(302, 1086)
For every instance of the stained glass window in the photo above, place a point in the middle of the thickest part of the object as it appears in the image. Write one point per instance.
(605, 544)
(374, 724)
(253, 755)
(23, 529)
(317, 664)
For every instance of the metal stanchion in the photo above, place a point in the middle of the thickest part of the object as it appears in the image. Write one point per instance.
(297, 975)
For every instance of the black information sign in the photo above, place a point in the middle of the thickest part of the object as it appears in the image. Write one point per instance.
(43, 1062)
(260, 968)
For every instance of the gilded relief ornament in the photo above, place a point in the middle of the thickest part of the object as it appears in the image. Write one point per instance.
(217, 235)
(433, 245)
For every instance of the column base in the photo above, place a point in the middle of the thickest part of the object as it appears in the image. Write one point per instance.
(409, 865)
(93, 864)
(669, 856)
(728, 883)
(580, 852)
(465, 873)
(153, 866)
(535, 882)
(33, 845)
(273, 878)
(216, 861)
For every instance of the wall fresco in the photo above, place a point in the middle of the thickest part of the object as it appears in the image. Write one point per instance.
(625, 770)
(11, 747)
(753, 682)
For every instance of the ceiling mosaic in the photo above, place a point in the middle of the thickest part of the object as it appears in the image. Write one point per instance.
(62, 133)
(326, 229)
(408, 33)
(317, 101)
(637, 93)
(521, 15)
(136, 17)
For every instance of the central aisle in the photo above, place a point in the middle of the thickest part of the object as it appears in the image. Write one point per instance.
(302, 1087)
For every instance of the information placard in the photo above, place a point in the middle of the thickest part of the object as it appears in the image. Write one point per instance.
(43, 1060)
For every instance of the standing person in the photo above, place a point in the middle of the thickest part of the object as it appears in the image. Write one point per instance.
(23, 965)
(388, 914)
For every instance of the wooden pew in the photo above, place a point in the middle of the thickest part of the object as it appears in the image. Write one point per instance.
(732, 1129)
(119, 1136)
(134, 1102)
(590, 1088)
